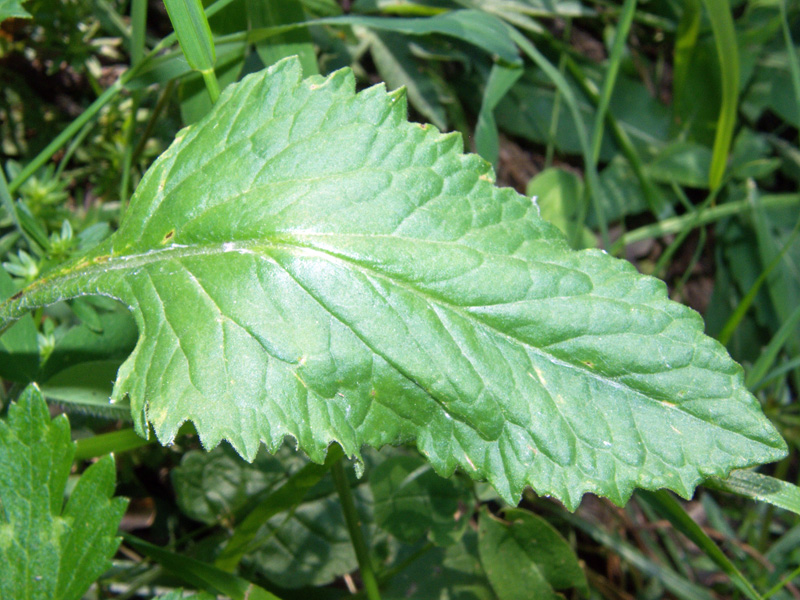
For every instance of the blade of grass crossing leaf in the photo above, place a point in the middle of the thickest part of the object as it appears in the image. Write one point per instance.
(284, 498)
(501, 79)
(719, 12)
(624, 26)
(194, 35)
(791, 51)
(266, 13)
(670, 509)
(201, 574)
(761, 488)
(743, 306)
(593, 188)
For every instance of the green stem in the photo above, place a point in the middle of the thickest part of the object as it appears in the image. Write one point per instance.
(354, 527)
(212, 85)
(115, 441)
(554, 117)
(138, 28)
(678, 224)
(155, 114)
(624, 26)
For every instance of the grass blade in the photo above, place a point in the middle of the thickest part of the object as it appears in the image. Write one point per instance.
(669, 508)
(719, 12)
(685, 45)
(770, 353)
(672, 581)
(737, 316)
(593, 181)
(201, 574)
(194, 35)
(624, 26)
(761, 488)
(501, 79)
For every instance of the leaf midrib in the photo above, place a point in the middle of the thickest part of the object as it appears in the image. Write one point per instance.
(281, 240)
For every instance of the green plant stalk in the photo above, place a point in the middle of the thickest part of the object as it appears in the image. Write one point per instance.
(155, 114)
(354, 527)
(780, 473)
(194, 33)
(212, 85)
(624, 26)
(138, 28)
(696, 215)
(714, 213)
(197, 43)
(289, 495)
(669, 508)
(554, 117)
(593, 188)
(115, 441)
(782, 583)
(694, 260)
(770, 353)
(719, 12)
(620, 137)
(736, 318)
(73, 146)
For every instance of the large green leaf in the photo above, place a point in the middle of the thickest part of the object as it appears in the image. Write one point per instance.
(48, 553)
(305, 262)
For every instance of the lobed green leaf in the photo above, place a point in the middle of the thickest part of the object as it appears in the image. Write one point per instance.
(305, 262)
(50, 551)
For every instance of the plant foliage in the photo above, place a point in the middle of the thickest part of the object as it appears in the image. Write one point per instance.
(50, 551)
(305, 262)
